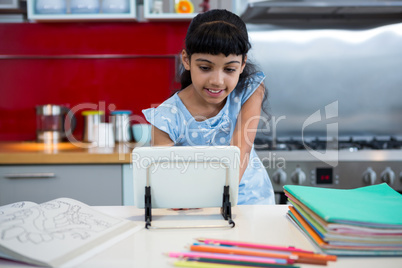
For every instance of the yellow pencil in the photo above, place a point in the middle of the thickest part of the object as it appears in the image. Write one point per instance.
(196, 264)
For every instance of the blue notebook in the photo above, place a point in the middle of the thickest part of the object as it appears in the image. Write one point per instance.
(377, 206)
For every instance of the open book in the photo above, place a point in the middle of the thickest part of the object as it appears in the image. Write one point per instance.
(61, 232)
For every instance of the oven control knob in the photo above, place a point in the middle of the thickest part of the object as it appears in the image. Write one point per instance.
(279, 176)
(298, 176)
(369, 176)
(388, 176)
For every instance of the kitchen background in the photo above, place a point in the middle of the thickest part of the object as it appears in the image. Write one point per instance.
(339, 61)
(128, 64)
(126, 60)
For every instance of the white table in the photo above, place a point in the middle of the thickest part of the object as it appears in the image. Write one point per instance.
(259, 224)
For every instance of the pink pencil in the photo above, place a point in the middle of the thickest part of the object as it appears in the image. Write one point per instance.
(251, 245)
(231, 257)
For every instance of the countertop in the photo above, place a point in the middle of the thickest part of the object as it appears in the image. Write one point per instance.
(31, 152)
(254, 223)
(63, 153)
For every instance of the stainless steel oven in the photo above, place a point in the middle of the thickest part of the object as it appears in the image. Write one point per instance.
(345, 168)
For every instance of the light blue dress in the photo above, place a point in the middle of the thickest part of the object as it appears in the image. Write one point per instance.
(173, 118)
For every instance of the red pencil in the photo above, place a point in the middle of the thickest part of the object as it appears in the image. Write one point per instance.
(251, 245)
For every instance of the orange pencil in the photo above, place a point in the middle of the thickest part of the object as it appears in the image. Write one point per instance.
(296, 251)
(316, 256)
(231, 250)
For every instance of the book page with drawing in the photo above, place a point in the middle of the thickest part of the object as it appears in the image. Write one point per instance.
(10, 208)
(59, 232)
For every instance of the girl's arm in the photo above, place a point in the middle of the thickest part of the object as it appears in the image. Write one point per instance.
(246, 127)
(160, 138)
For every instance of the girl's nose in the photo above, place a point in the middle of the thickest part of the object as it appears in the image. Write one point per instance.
(216, 78)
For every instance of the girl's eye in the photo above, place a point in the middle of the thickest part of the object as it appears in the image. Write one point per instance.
(230, 70)
(204, 68)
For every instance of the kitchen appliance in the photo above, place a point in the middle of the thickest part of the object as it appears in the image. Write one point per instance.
(356, 163)
(91, 118)
(258, 11)
(334, 88)
(50, 123)
(121, 125)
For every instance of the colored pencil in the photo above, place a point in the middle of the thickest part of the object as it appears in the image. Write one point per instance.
(196, 264)
(251, 245)
(241, 263)
(233, 250)
(230, 257)
(299, 252)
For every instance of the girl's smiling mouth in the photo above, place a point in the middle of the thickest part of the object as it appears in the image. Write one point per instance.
(214, 91)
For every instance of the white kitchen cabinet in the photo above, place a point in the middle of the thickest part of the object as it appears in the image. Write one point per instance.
(66, 12)
(165, 9)
(93, 184)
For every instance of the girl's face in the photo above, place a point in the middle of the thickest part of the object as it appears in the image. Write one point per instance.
(213, 76)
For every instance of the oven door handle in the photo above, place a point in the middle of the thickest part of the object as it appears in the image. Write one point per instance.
(29, 175)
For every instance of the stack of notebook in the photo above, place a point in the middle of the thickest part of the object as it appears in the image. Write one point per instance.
(362, 221)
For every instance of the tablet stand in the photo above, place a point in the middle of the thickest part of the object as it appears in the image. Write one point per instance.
(226, 209)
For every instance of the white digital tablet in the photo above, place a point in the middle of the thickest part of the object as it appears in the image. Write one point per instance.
(186, 176)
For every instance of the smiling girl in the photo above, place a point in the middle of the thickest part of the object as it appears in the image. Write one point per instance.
(220, 99)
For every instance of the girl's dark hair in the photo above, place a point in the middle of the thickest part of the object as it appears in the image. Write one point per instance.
(215, 32)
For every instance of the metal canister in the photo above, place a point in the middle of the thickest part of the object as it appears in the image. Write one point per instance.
(91, 118)
(50, 121)
(121, 125)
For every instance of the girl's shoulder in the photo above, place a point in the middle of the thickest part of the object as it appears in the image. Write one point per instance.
(171, 111)
(258, 74)
(167, 117)
(248, 86)
(170, 105)
(256, 78)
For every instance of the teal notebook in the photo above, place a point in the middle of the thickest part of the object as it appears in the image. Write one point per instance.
(376, 206)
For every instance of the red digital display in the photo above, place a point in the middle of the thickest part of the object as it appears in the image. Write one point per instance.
(324, 175)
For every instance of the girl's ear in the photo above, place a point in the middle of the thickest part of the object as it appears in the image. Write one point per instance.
(185, 59)
(243, 64)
